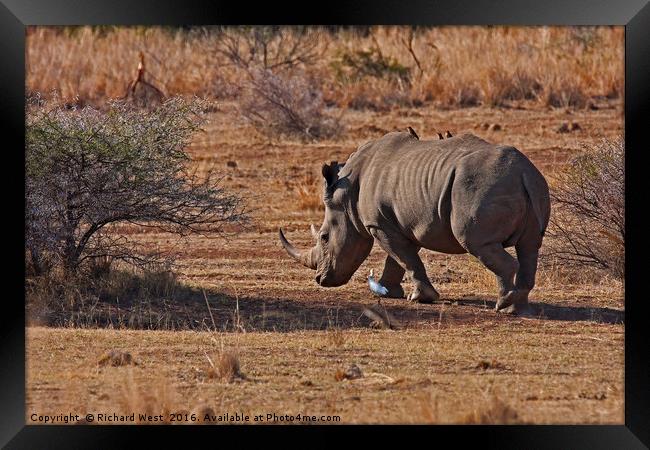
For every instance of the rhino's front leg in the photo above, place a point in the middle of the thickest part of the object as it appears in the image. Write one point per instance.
(391, 278)
(405, 253)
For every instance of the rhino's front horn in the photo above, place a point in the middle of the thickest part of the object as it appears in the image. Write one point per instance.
(307, 259)
(314, 232)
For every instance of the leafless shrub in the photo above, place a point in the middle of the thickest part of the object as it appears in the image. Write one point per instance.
(276, 94)
(587, 227)
(287, 105)
(269, 48)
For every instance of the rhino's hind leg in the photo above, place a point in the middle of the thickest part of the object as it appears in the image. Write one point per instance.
(494, 257)
(391, 278)
(516, 302)
(405, 253)
(527, 254)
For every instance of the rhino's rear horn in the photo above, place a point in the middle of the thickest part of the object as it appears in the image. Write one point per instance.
(305, 258)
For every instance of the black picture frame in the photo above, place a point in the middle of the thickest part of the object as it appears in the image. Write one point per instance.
(15, 15)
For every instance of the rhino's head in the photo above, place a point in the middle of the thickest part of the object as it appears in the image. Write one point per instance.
(339, 247)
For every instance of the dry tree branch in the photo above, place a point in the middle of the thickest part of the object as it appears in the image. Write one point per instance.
(408, 43)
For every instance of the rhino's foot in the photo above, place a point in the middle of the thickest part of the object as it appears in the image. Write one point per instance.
(514, 302)
(424, 294)
(395, 291)
(517, 309)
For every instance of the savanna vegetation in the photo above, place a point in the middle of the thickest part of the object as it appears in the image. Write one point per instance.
(160, 163)
(350, 67)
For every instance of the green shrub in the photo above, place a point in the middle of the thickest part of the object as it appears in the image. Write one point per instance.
(87, 169)
(356, 65)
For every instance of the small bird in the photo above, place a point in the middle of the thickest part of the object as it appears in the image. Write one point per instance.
(375, 287)
(448, 134)
(413, 133)
(440, 136)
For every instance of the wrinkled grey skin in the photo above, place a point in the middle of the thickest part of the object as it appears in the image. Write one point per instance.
(456, 195)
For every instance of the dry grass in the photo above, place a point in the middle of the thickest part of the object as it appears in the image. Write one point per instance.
(116, 358)
(454, 66)
(120, 298)
(454, 362)
(156, 397)
(489, 410)
(410, 376)
(495, 412)
(336, 337)
(226, 368)
(95, 65)
(310, 193)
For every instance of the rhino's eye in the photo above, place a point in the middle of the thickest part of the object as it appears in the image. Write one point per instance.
(325, 237)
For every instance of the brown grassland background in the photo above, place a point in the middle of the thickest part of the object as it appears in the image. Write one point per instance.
(240, 327)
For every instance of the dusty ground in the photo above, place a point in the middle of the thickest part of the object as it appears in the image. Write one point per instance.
(452, 362)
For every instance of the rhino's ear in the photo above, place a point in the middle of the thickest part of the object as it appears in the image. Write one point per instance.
(331, 172)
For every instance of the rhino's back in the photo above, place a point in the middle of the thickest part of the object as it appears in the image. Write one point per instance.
(410, 183)
(400, 169)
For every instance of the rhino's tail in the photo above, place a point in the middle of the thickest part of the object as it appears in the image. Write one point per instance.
(537, 190)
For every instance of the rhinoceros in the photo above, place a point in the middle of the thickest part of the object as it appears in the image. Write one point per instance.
(456, 195)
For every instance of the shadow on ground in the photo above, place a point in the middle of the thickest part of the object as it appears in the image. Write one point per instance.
(548, 311)
(186, 308)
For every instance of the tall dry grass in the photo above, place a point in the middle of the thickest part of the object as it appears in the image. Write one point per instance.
(451, 66)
